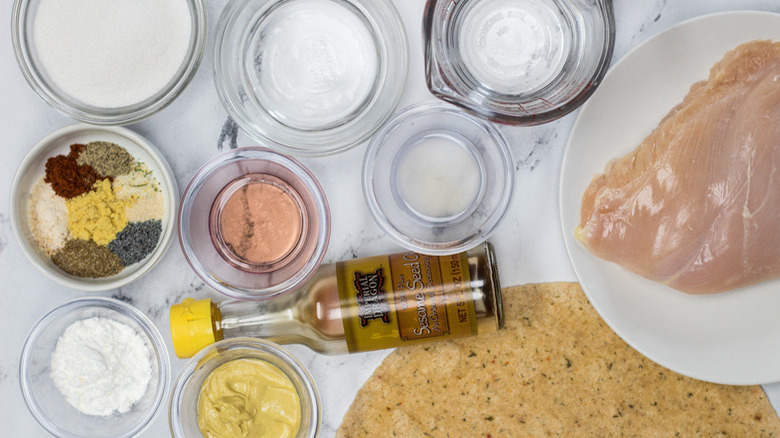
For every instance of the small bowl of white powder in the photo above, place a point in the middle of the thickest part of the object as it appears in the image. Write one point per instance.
(94, 367)
(109, 62)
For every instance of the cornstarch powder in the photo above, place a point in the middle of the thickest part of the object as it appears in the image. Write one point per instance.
(101, 366)
(111, 53)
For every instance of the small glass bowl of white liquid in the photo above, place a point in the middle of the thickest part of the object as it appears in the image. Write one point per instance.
(310, 77)
(438, 180)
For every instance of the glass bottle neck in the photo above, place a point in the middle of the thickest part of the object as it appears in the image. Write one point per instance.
(273, 321)
(310, 315)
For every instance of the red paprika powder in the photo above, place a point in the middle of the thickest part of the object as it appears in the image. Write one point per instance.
(67, 178)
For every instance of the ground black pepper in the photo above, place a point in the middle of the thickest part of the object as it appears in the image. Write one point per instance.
(136, 241)
(85, 258)
(108, 159)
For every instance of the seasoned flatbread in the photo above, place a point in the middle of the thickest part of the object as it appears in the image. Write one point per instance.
(556, 370)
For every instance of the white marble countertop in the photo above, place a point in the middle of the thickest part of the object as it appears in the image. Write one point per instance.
(529, 243)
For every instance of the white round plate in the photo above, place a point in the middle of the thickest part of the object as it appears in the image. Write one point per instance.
(731, 337)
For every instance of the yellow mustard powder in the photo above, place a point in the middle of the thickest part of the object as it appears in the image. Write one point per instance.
(98, 215)
(248, 398)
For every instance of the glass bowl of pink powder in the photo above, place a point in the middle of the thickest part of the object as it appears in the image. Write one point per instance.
(253, 223)
(109, 62)
(94, 367)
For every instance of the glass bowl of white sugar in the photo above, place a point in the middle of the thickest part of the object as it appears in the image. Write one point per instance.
(108, 62)
(438, 180)
(94, 367)
(310, 77)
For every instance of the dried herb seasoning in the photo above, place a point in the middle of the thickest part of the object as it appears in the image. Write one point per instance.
(108, 159)
(85, 258)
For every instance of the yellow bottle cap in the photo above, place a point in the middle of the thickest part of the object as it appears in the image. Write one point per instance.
(192, 326)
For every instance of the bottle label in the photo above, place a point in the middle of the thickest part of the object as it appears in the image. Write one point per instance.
(403, 299)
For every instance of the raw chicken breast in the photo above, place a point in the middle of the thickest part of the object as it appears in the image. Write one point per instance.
(697, 204)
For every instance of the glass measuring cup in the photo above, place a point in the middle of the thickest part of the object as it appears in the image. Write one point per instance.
(522, 62)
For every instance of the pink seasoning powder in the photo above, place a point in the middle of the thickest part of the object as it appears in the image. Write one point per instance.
(260, 223)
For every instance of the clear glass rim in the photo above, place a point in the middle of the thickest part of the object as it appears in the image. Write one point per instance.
(343, 136)
(311, 396)
(321, 206)
(149, 329)
(397, 234)
(109, 116)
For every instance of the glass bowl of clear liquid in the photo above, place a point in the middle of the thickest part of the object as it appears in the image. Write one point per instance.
(310, 77)
(522, 62)
(438, 180)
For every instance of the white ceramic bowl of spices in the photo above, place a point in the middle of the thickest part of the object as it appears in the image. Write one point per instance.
(94, 367)
(109, 62)
(94, 208)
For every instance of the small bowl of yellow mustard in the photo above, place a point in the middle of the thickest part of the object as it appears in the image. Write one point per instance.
(244, 387)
